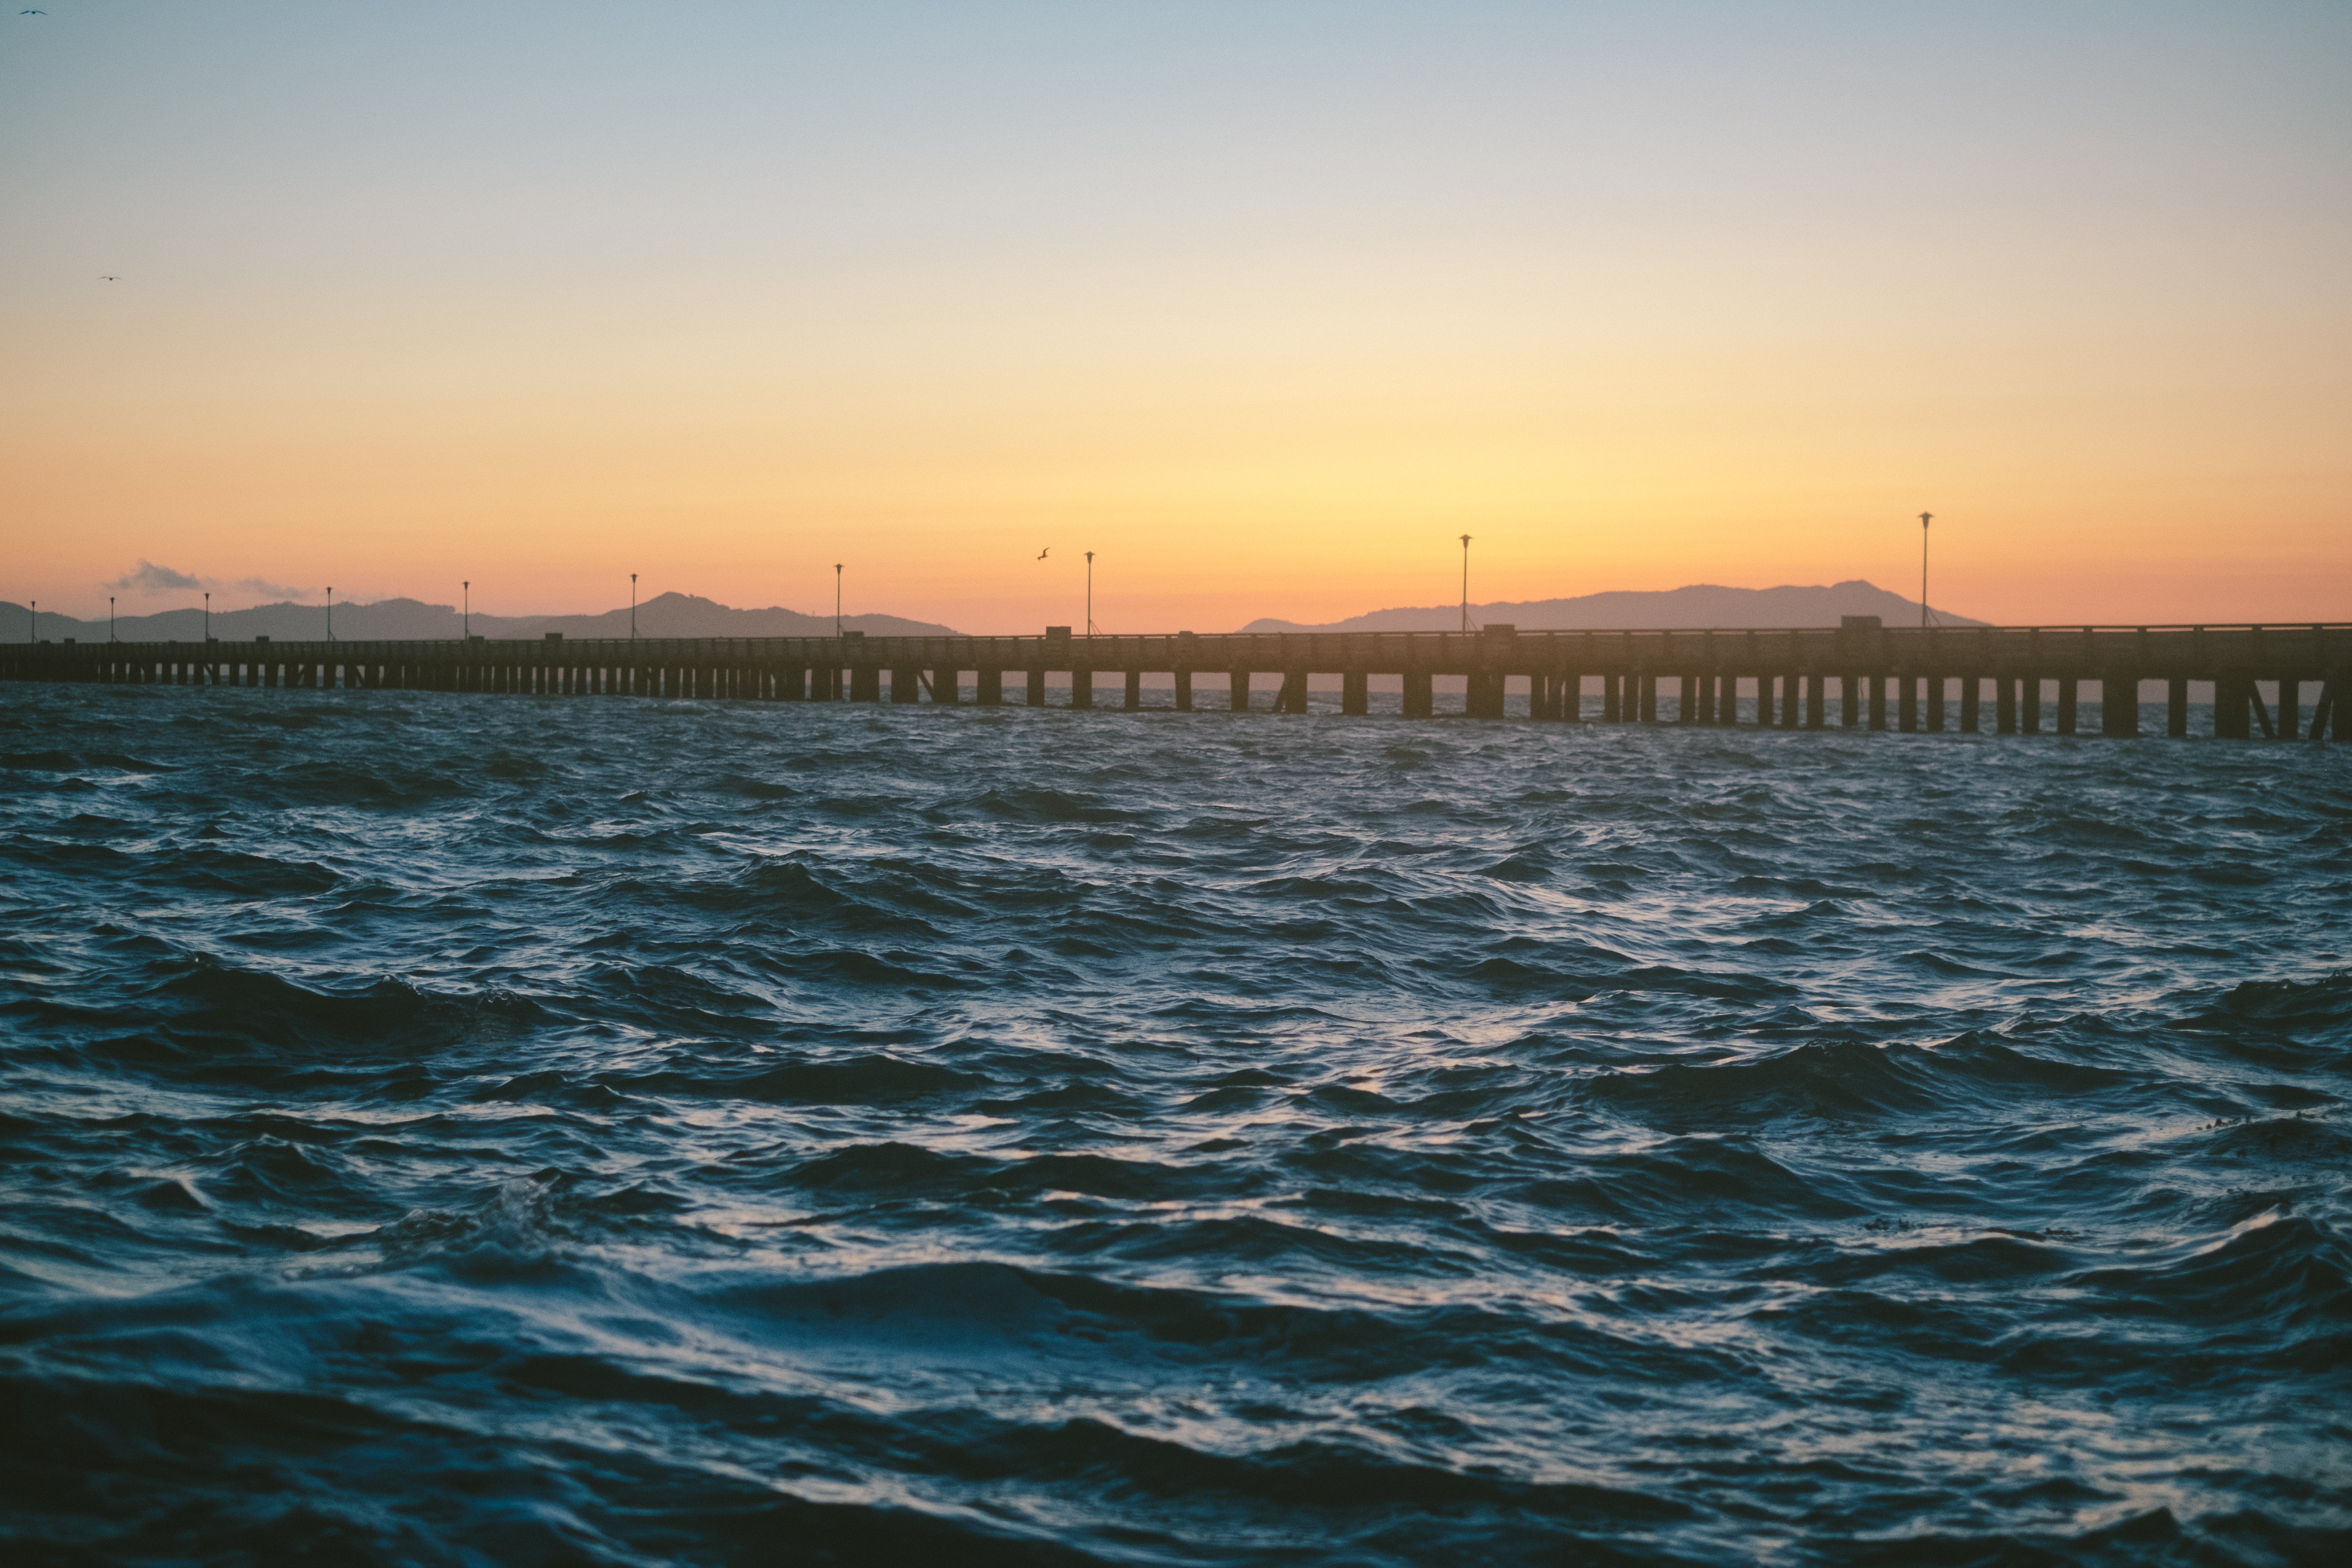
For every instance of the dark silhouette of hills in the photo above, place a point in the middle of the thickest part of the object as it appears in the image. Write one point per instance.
(390, 620)
(1699, 605)
(689, 615)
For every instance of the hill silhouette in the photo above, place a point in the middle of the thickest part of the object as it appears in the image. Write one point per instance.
(1697, 606)
(394, 620)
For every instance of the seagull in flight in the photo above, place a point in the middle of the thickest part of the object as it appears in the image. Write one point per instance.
(104, 277)
(32, 13)
(1041, 553)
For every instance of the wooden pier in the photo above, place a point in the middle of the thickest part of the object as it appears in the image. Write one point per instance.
(1992, 679)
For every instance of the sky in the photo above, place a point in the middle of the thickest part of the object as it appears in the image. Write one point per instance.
(1264, 303)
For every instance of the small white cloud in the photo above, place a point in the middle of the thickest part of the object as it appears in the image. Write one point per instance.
(150, 578)
(270, 590)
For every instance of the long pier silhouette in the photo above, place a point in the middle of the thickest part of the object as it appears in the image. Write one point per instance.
(1861, 675)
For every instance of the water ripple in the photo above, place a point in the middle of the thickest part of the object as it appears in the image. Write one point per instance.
(470, 1129)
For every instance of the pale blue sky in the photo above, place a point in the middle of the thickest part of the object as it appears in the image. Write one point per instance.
(919, 210)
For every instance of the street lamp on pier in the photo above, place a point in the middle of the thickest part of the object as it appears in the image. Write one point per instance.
(1466, 582)
(1924, 518)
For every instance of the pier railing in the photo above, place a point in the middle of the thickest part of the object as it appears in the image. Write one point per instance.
(1881, 677)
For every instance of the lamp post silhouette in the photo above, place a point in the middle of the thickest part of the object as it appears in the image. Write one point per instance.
(32, 620)
(465, 624)
(1466, 582)
(1090, 592)
(109, 618)
(330, 613)
(837, 598)
(208, 618)
(1924, 518)
(633, 607)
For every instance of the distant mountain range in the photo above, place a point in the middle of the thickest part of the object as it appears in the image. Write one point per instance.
(393, 620)
(1700, 605)
(688, 615)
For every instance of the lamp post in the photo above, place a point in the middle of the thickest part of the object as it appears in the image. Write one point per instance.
(633, 607)
(1466, 582)
(837, 598)
(32, 621)
(1924, 518)
(330, 613)
(109, 618)
(208, 618)
(465, 619)
(1090, 592)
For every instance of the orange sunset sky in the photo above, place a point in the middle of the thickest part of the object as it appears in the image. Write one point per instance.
(1264, 303)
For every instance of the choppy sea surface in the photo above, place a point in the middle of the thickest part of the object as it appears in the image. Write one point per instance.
(496, 1130)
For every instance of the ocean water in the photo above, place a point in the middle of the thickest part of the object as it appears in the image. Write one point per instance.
(490, 1130)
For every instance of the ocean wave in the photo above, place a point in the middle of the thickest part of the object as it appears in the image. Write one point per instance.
(456, 1129)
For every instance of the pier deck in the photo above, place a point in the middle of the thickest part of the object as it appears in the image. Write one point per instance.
(1992, 679)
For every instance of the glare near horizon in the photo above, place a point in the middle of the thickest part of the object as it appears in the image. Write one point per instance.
(1263, 304)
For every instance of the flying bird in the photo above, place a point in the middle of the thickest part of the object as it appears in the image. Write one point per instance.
(32, 13)
(1041, 554)
(103, 277)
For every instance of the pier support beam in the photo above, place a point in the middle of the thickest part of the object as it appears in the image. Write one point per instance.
(1936, 704)
(1292, 698)
(1239, 702)
(2069, 705)
(992, 688)
(1419, 698)
(2005, 705)
(2176, 708)
(2029, 705)
(906, 685)
(946, 686)
(1877, 701)
(2231, 719)
(1907, 706)
(2290, 709)
(866, 683)
(1134, 691)
(1971, 704)
(1183, 692)
(1728, 714)
(1081, 688)
(1036, 689)
(2119, 705)
(1649, 686)
(1355, 693)
(1816, 702)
